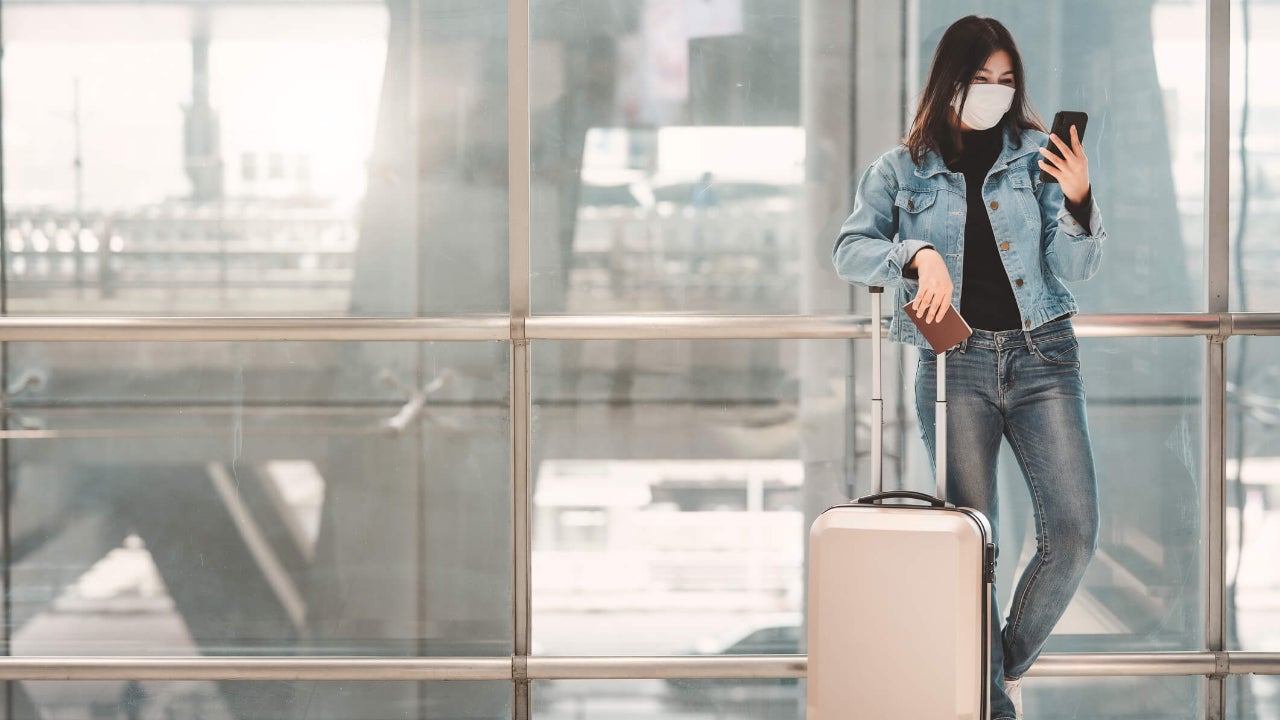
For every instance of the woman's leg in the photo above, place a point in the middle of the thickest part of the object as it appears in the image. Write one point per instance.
(974, 427)
(1047, 428)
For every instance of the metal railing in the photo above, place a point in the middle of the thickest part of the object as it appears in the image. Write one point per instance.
(741, 667)
(569, 327)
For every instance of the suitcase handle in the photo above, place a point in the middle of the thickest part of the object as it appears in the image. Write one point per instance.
(901, 495)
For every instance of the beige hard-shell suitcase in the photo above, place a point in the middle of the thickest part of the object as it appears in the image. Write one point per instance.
(899, 596)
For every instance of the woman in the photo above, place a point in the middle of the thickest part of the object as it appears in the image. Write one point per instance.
(958, 214)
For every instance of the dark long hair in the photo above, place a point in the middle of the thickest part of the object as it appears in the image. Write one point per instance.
(962, 51)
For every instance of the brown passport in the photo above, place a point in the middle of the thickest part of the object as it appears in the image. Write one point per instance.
(944, 334)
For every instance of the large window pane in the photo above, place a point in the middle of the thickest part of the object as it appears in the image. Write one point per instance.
(227, 700)
(189, 503)
(699, 157)
(235, 158)
(675, 482)
(670, 488)
(1252, 697)
(1253, 513)
(1173, 698)
(668, 156)
(1142, 591)
(1138, 69)
(1255, 155)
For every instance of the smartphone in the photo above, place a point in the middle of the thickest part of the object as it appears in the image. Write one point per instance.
(944, 334)
(1062, 123)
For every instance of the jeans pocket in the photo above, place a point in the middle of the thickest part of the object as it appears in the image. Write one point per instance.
(1062, 351)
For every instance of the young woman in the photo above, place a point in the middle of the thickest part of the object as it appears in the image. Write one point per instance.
(958, 214)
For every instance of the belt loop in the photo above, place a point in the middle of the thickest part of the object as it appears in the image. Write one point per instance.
(1031, 347)
(964, 345)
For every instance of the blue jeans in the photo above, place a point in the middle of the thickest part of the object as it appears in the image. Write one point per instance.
(1024, 386)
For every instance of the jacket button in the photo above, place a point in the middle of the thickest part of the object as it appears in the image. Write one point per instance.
(1019, 282)
(1026, 324)
(911, 204)
(995, 205)
(1004, 246)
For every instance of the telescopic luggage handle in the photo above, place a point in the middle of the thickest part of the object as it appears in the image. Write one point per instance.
(877, 409)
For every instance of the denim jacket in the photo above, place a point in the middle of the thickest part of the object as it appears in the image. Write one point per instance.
(902, 207)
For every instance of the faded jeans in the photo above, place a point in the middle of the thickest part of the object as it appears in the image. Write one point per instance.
(1026, 387)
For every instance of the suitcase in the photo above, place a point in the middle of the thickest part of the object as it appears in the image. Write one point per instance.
(899, 595)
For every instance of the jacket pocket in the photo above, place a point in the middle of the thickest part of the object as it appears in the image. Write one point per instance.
(915, 201)
(913, 222)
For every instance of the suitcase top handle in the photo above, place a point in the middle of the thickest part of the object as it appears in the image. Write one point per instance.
(901, 495)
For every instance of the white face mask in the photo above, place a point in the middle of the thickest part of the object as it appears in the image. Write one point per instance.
(987, 103)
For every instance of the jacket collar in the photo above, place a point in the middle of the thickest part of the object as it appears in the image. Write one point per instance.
(933, 163)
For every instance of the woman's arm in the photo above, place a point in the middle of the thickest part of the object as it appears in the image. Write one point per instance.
(865, 252)
(1072, 244)
(1073, 249)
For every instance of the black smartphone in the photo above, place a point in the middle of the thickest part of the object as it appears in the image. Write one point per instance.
(1062, 123)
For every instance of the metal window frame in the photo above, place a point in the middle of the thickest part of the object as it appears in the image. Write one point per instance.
(1217, 290)
(520, 327)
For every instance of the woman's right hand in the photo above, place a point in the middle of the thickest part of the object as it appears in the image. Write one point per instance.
(934, 298)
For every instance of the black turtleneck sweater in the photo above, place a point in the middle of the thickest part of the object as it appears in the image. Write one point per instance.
(987, 301)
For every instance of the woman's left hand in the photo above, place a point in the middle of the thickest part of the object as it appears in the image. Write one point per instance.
(1071, 170)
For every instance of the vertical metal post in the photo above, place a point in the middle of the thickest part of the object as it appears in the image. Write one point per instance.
(519, 179)
(877, 395)
(1217, 289)
(416, 30)
(940, 429)
(6, 517)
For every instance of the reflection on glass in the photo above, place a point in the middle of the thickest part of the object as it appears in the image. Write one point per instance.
(670, 493)
(1255, 155)
(1253, 513)
(668, 156)
(133, 700)
(765, 699)
(606, 237)
(1175, 698)
(674, 482)
(265, 498)
(698, 217)
(1142, 698)
(1142, 591)
(1142, 84)
(1253, 621)
(232, 158)
(1252, 697)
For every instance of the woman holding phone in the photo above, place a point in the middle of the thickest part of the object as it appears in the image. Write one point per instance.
(959, 215)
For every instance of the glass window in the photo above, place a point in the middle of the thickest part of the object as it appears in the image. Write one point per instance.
(692, 456)
(675, 442)
(1251, 697)
(672, 148)
(1253, 510)
(1177, 698)
(668, 156)
(1255, 155)
(765, 699)
(132, 700)
(124, 123)
(1142, 83)
(260, 498)
(1142, 591)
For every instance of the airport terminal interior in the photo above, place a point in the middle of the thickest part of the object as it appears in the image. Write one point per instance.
(374, 329)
